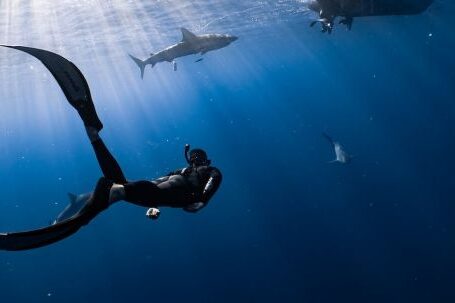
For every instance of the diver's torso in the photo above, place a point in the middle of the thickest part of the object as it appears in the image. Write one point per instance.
(187, 186)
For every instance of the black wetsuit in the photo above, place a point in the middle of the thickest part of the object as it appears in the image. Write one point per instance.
(182, 188)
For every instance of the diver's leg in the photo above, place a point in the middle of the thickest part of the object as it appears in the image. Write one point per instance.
(142, 193)
(97, 202)
(78, 202)
(117, 193)
(109, 166)
(133, 192)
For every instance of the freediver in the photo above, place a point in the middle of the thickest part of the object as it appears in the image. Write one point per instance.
(189, 188)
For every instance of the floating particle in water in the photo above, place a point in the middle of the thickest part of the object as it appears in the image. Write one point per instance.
(430, 35)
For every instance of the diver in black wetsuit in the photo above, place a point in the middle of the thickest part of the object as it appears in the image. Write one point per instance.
(189, 188)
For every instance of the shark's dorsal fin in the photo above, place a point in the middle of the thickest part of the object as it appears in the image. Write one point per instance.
(72, 198)
(187, 36)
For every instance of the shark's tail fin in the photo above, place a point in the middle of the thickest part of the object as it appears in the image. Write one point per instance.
(141, 64)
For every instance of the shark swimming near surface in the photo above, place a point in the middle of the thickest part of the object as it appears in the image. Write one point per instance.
(340, 153)
(191, 44)
(329, 10)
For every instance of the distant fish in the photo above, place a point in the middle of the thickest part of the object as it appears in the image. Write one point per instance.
(341, 155)
(199, 60)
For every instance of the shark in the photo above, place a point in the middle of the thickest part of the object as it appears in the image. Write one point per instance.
(340, 153)
(191, 44)
(329, 10)
(76, 203)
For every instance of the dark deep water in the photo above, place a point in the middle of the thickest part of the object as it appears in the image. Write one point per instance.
(285, 226)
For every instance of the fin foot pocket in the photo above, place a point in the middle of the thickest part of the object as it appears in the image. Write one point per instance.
(88, 115)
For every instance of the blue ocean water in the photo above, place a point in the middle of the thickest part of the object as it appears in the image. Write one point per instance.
(285, 226)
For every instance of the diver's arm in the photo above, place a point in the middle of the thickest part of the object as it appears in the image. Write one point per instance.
(211, 186)
(195, 207)
(209, 190)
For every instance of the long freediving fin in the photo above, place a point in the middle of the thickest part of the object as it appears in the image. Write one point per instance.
(71, 81)
(36, 238)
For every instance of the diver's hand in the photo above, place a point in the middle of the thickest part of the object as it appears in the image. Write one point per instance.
(153, 213)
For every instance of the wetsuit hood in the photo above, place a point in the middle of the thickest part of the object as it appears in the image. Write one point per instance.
(196, 156)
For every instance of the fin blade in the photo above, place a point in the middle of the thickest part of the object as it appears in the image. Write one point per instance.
(71, 81)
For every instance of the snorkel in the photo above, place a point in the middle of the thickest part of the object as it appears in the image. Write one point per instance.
(187, 157)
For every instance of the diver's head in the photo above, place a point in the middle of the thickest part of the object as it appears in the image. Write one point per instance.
(196, 156)
(199, 157)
